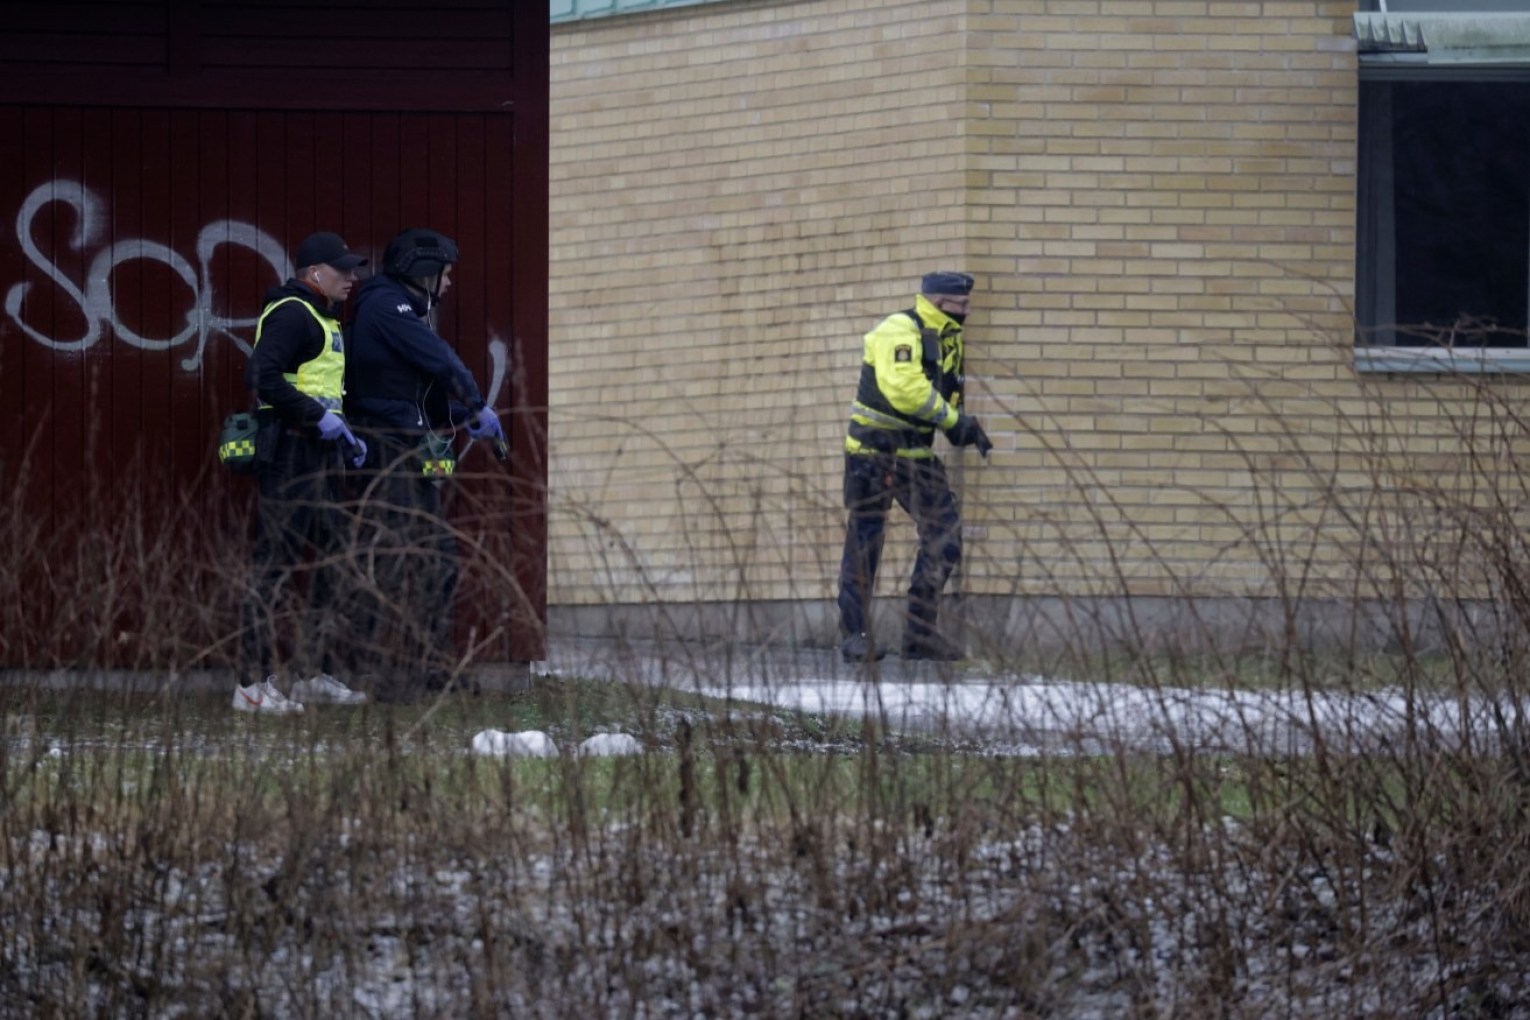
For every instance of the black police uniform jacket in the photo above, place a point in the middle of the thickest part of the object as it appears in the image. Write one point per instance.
(398, 373)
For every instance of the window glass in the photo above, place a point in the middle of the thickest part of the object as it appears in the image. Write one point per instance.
(1445, 213)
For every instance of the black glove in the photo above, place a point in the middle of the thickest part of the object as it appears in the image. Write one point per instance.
(968, 432)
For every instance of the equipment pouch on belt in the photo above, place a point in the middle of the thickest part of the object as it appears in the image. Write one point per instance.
(869, 482)
(437, 459)
(236, 442)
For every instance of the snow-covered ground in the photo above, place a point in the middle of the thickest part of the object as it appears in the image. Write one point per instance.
(1028, 714)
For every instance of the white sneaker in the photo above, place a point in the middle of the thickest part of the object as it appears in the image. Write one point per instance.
(264, 698)
(327, 690)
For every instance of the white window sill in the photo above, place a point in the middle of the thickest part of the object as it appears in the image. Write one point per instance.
(1443, 361)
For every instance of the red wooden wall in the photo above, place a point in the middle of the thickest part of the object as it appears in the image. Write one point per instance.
(162, 161)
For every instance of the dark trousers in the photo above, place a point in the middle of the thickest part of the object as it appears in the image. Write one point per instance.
(920, 487)
(408, 555)
(301, 491)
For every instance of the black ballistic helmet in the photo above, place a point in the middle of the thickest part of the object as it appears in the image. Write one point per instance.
(419, 253)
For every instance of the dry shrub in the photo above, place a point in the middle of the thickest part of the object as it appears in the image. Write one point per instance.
(161, 858)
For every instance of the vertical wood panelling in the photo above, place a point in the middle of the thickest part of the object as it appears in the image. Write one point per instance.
(415, 56)
(95, 173)
(148, 293)
(300, 153)
(441, 170)
(385, 174)
(188, 212)
(124, 360)
(270, 179)
(34, 144)
(68, 374)
(163, 180)
(527, 281)
(219, 372)
(437, 186)
(142, 191)
(358, 201)
(328, 185)
(470, 217)
(482, 318)
(13, 427)
(39, 418)
(413, 169)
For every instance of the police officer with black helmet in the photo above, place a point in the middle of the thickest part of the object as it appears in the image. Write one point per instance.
(406, 391)
(400, 374)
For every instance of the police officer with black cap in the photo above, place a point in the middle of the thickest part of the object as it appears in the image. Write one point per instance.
(297, 372)
(406, 390)
(910, 386)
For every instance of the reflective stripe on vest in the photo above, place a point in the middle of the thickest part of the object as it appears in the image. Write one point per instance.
(323, 378)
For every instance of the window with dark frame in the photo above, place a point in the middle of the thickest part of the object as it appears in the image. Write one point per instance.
(1444, 211)
(1442, 272)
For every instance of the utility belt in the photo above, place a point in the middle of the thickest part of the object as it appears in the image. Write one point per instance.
(249, 439)
(881, 440)
(270, 421)
(431, 454)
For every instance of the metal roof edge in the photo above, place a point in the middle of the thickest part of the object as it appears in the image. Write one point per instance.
(1445, 37)
(563, 11)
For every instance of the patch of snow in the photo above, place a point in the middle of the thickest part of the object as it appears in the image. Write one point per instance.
(605, 745)
(524, 744)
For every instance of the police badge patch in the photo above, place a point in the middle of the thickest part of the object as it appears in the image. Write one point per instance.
(903, 352)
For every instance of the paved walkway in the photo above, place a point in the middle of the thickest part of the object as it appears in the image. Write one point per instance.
(1002, 708)
(1031, 714)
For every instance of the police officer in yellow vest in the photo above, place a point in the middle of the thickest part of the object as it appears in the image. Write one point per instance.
(911, 380)
(297, 372)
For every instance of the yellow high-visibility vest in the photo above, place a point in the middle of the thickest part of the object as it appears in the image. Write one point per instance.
(323, 378)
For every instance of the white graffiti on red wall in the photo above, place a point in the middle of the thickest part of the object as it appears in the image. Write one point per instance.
(98, 305)
(95, 299)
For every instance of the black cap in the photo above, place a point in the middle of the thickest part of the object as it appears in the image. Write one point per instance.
(327, 249)
(957, 284)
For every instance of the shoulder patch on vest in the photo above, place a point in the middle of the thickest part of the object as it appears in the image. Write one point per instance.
(903, 352)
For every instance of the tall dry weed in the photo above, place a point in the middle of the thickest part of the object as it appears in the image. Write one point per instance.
(160, 857)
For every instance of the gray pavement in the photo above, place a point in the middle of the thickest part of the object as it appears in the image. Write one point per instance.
(1024, 713)
(993, 703)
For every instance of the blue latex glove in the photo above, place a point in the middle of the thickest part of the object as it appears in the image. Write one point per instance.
(485, 424)
(358, 454)
(333, 427)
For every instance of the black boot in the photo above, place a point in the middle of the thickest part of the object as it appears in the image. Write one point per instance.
(859, 648)
(930, 646)
(921, 638)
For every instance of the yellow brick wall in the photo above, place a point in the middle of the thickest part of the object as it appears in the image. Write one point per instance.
(739, 191)
(1161, 202)
(1157, 199)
